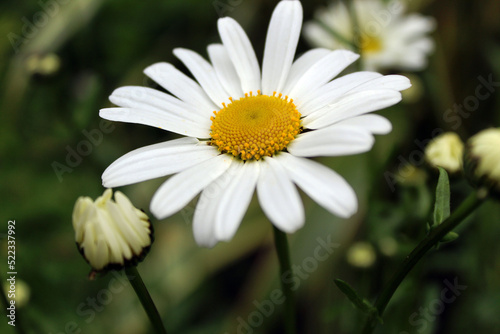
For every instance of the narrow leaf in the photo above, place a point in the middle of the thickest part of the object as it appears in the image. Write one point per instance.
(442, 204)
(361, 304)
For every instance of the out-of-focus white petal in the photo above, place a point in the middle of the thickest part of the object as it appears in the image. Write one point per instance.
(322, 184)
(281, 43)
(279, 197)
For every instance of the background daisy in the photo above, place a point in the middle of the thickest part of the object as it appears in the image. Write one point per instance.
(386, 36)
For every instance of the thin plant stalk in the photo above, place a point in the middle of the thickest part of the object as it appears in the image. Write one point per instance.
(281, 242)
(435, 235)
(145, 298)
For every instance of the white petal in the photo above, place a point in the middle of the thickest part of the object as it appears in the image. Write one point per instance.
(335, 140)
(350, 105)
(327, 93)
(181, 188)
(322, 184)
(204, 74)
(235, 200)
(241, 52)
(302, 65)
(156, 160)
(375, 124)
(204, 219)
(395, 82)
(151, 107)
(225, 70)
(321, 72)
(281, 42)
(279, 197)
(182, 86)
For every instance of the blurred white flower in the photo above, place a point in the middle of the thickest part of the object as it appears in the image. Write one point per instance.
(482, 159)
(249, 129)
(111, 234)
(387, 38)
(446, 150)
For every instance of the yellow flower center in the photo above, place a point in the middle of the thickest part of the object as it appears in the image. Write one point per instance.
(370, 44)
(255, 126)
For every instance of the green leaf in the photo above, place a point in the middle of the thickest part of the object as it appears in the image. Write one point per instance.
(362, 304)
(442, 204)
(449, 237)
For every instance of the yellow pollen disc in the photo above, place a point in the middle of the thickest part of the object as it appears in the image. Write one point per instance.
(255, 126)
(370, 44)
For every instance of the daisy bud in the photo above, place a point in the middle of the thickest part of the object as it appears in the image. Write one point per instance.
(446, 150)
(482, 160)
(361, 255)
(111, 234)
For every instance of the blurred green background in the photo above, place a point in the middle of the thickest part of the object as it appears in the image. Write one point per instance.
(57, 74)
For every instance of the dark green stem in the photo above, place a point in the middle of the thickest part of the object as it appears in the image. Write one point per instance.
(281, 242)
(19, 328)
(146, 301)
(434, 236)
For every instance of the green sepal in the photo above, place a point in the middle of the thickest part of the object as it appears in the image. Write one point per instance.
(442, 204)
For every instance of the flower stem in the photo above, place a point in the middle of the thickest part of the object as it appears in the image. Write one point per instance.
(283, 252)
(145, 298)
(434, 236)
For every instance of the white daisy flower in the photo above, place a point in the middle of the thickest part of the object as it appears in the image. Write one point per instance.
(248, 129)
(387, 38)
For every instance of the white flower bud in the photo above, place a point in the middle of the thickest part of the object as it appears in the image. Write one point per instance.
(111, 233)
(446, 150)
(482, 159)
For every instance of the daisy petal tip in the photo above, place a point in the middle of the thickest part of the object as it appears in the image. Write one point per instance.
(202, 241)
(156, 67)
(405, 83)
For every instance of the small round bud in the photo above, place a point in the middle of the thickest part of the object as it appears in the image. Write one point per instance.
(446, 150)
(361, 255)
(111, 234)
(482, 160)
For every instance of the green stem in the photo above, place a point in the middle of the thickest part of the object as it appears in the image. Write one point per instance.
(434, 236)
(19, 328)
(282, 250)
(146, 301)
